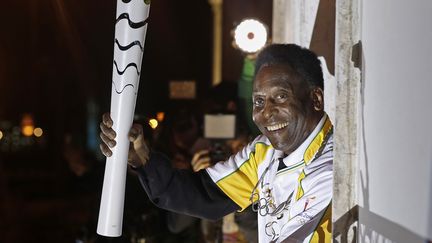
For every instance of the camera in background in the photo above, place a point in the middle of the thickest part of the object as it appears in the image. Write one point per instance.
(218, 129)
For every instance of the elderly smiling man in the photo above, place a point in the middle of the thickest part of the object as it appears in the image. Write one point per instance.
(285, 173)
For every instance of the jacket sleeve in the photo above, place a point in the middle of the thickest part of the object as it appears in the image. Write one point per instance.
(183, 191)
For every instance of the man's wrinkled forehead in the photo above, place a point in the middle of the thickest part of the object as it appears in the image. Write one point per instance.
(279, 72)
(286, 66)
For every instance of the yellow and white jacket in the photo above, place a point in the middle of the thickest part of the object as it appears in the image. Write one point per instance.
(300, 184)
(291, 193)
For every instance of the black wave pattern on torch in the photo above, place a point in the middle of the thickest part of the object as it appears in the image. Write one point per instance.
(127, 47)
(134, 25)
(124, 87)
(128, 1)
(132, 64)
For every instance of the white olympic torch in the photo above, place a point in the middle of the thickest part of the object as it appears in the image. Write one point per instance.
(130, 32)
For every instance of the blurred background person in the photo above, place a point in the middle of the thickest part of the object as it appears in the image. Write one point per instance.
(241, 226)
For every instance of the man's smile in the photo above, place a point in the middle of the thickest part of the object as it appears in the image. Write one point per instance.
(283, 107)
(276, 127)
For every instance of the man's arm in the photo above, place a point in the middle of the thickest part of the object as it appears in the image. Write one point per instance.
(176, 190)
(183, 191)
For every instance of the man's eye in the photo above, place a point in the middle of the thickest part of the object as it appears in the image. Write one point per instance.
(282, 96)
(258, 102)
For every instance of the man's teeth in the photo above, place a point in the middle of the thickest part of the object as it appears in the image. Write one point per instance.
(277, 127)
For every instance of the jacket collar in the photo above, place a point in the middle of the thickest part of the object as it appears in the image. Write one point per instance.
(313, 144)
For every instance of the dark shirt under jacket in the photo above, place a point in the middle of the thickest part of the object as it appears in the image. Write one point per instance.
(183, 191)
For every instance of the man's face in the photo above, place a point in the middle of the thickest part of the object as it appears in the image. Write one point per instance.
(284, 107)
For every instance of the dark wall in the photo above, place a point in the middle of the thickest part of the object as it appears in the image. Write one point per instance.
(56, 56)
(61, 51)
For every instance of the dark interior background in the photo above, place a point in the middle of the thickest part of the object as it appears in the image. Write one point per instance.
(56, 63)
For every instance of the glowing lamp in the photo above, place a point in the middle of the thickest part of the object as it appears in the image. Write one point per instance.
(160, 116)
(27, 130)
(27, 125)
(38, 132)
(250, 35)
(153, 123)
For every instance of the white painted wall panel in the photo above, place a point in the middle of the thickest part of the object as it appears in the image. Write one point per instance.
(396, 162)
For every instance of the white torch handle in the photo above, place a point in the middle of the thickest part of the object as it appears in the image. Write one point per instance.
(130, 32)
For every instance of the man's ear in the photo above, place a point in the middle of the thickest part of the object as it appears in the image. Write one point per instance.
(317, 95)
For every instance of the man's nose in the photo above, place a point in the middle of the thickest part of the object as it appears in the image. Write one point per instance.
(269, 110)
